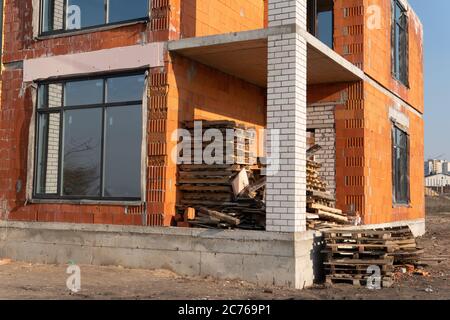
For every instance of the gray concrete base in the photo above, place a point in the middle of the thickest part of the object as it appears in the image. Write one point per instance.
(289, 260)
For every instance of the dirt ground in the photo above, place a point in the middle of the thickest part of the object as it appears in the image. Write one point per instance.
(27, 281)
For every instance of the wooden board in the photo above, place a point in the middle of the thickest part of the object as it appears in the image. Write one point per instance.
(325, 208)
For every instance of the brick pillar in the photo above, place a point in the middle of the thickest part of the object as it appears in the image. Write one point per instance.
(286, 113)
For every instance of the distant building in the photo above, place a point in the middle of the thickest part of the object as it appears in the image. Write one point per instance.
(445, 167)
(437, 180)
(435, 166)
(428, 167)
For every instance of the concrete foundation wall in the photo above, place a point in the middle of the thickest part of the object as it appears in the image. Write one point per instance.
(259, 257)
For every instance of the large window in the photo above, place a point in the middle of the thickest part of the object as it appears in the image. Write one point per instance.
(400, 166)
(400, 50)
(67, 15)
(320, 20)
(89, 138)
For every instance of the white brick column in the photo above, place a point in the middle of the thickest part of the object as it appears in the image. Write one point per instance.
(286, 113)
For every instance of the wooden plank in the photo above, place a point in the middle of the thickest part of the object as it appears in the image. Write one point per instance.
(200, 167)
(325, 208)
(359, 262)
(221, 216)
(197, 188)
(209, 174)
(189, 213)
(352, 230)
(332, 216)
(205, 181)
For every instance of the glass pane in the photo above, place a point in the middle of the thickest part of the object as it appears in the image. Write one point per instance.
(403, 141)
(398, 12)
(325, 26)
(45, 19)
(50, 96)
(79, 93)
(123, 152)
(85, 13)
(311, 16)
(124, 89)
(82, 152)
(52, 15)
(397, 50)
(120, 10)
(48, 154)
(42, 97)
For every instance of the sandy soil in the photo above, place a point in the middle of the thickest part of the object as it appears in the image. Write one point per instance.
(27, 281)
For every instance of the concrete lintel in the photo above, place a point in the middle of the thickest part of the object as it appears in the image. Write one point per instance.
(108, 60)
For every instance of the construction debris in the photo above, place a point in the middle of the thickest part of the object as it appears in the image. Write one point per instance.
(220, 196)
(4, 262)
(320, 203)
(224, 196)
(350, 252)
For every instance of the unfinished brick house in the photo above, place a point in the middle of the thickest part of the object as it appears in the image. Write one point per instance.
(92, 91)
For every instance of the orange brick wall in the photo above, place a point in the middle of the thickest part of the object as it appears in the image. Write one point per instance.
(171, 19)
(378, 155)
(198, 92)
(349, 30)
(370, 48)
(377, 55)
(208, 17)
(364, 152)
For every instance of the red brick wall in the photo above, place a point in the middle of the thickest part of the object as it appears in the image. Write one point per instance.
(16, 109)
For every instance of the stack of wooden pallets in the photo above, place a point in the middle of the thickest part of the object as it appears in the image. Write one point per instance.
(237, 138)
(313, 180)
(321, 213)
(350, 252)
(206, 185)
(208, 190)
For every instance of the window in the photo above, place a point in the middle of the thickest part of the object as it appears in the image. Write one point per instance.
(67, 15)
(400, 50)
(1, 30)
(320, 20)
(400, 164)
(89, 136)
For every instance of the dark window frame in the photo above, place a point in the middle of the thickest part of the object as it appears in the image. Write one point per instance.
(90, 28)
(396, 189)
(60, 110)
(313, 19)
(1, 32)
(400, 44)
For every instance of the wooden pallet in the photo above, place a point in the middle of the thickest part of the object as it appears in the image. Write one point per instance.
(350, 251)
(359, 281)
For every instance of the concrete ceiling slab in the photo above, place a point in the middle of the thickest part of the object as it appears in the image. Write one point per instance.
(244, 55)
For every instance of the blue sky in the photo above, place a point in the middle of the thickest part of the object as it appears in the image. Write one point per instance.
(435, 18)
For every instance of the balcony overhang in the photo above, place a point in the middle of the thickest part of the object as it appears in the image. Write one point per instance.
(244, 55)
